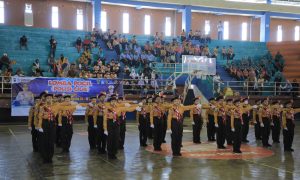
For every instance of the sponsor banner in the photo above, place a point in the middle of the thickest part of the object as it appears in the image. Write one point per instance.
(24, 89)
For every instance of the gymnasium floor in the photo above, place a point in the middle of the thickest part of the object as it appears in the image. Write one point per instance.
(17, 161)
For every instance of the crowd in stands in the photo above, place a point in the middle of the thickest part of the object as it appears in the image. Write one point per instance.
(134, 61)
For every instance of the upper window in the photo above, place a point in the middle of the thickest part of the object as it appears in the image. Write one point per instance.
(147, 25)
(244, 31)
(79, 19)
(279, 33)
(1, 11)
(28, 8)
(55, 17)
(207, 27)
(297, 35)
(168, 27)
(103, 21)
(125, 23)
(226, 30)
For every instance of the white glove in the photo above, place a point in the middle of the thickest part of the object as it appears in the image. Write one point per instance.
(152, 126)
(262, 125)
(140, 104)
(169, 131)
(127, 105)
(59, 125)
(285, 128)
(232, 129)
(95, 126)
(41, 130)
(199, 106)
(272, 124)
(29, 128)
(216, 125)
(255, 106)
(105, 132)
(193, 123)
(139, 109)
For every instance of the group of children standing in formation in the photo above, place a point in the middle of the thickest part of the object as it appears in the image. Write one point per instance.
(51, 122)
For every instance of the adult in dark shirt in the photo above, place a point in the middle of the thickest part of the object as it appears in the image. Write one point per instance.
(73, 71)
(78, 44)
(4, 62)
(23, 42)
(53, 44)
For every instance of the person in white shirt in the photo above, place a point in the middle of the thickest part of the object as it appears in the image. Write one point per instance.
(220, 30)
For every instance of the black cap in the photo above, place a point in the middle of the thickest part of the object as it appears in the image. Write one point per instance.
(219, 98)
(93, 97)
(67, 96)
(37, 97)
(236, 101)
(112, 99)
(58, 95)
(229, 100)
(47, 95)
(175, 98)
(43, 94)
(195, 99)
(102, 94)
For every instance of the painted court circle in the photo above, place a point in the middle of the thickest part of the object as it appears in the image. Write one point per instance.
(208, 150)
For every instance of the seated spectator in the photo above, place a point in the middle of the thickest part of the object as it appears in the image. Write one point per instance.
(73, 72)
(116, 46)
(101, 55)
(78, 44)
(124, 43)
(5, 62)
(23, 42)
(19, 73)
(87, 43)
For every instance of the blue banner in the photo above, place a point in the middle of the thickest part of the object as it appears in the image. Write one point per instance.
(24, 89)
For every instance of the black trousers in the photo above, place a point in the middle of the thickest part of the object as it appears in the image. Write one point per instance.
(288, 135)
(66, 134)
(237, 135)
(229, 135)
(143, 129)
(276, 129)
(221, 132)
(198, 122)
(176, 136)
(47, 140)
(157, 133)
(150, 130)
(34, 138)
(101, 137)
(58, 136)
(165, 126)
(245, 126)
(265, 131)
(113, 129)
(211, 130)
(91, 132)
(257, 129)
(122, 133)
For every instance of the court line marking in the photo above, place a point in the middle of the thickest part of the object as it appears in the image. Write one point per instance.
(268, 166)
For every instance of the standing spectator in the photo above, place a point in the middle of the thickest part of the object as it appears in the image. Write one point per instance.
(220, 30)
(78, 44)
(53, 44)
(223, 52)
(23, 42)
(4, 61)
(230, 54)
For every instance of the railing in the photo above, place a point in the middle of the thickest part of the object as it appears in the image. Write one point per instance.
(5, 84)
(255, 88)
(166, 68)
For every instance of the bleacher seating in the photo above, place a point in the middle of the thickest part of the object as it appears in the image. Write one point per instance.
(291, 55)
